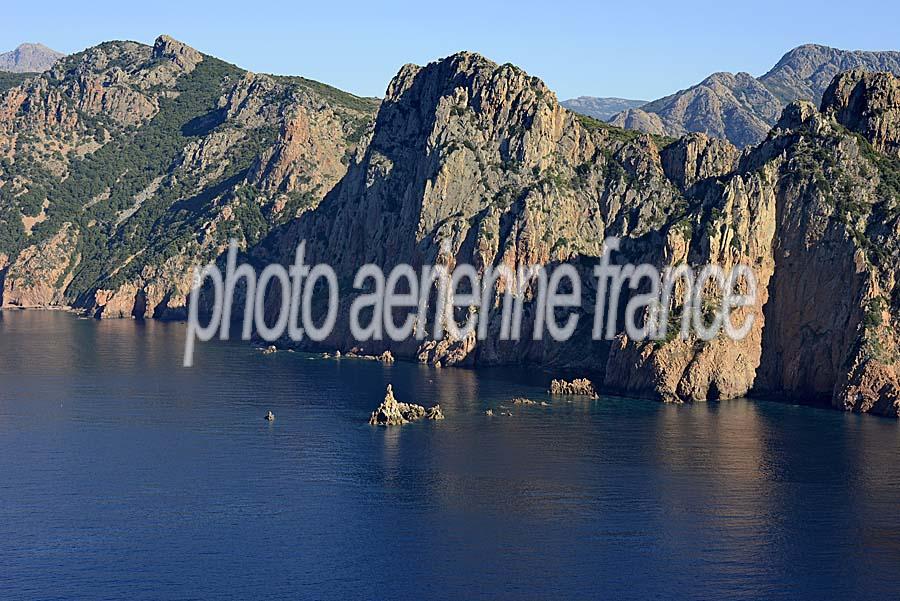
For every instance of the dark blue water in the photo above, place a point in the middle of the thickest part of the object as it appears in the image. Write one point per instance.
(125, 476)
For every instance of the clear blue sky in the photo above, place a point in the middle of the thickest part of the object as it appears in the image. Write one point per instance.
(632, 49)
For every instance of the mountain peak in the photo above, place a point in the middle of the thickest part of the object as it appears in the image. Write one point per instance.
(742, 108)
(185, 57)
(29, 58)
(869, 104)
(463, 69)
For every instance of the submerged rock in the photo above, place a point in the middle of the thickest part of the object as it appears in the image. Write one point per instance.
(523, 401)
(270, 417)
(434, 413)
(386, 357)
(270, 350)
(489, 413)
(578, 386)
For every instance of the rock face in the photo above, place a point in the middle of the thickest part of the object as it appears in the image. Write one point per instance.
(601, 108)
(741, 108)
(156, 156)
(869, 104)
(38, 274)
(29, 58)
(812, 208)
(474, 162)
(452, 176)
(181, 55)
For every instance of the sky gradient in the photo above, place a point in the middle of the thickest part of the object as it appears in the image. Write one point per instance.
(634, 50)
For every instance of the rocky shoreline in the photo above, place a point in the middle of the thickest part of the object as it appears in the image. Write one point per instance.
(466, 162)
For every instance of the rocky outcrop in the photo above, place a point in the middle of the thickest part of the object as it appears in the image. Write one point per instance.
(577, 387)
(641, 120)
(434, 413)
(697, 157)
(39, 275)
(179, 54)
(391, 412)
(868, 104)
(475, 162)
(809, 208)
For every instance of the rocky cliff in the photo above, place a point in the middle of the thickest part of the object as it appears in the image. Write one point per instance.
(125, 164)
(453, 175)
(741, 108)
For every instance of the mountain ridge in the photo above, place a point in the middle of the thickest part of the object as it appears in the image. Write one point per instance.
(602, 108)
(742, 108)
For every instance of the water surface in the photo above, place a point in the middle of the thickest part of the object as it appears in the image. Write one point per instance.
(124, 475)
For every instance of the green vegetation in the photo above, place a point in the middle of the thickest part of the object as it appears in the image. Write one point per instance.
(141, 163)
(874, 310)
(888, 169)
(618, 134)
(11, 80)
(615, 133)
(332, 95)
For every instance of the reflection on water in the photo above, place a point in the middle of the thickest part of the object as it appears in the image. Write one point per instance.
(125, 475)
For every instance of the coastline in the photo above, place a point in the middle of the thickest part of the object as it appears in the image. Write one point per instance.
(348, 354)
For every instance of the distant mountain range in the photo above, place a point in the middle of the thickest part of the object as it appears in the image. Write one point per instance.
(741, 108)
(601, 108)
(29, 58)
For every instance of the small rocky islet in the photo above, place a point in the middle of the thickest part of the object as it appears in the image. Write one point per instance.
(392, 412)
(356, 353)
(577, 387)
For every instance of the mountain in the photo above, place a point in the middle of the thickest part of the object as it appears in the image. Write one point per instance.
(29, 58)
(600, 108)
(453, 176)
(741, 108)
(126, 164)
